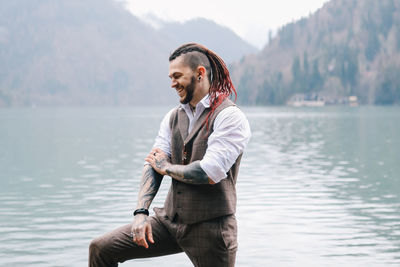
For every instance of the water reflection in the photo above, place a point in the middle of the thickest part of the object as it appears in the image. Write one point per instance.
(311, 189)
(317, 187)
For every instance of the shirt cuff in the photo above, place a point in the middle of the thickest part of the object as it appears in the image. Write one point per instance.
(212, 170)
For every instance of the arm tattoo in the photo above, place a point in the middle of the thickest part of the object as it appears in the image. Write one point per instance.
(161, 163)
(190, 174)
(149, 186)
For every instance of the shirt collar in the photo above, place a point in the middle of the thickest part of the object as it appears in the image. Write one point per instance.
(205, 101)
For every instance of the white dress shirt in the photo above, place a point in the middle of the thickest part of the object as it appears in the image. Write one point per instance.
(228, 140)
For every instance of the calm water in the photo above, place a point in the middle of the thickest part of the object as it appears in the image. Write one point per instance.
(317, 187)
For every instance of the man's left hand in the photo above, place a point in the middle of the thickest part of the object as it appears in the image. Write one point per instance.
(158, 160)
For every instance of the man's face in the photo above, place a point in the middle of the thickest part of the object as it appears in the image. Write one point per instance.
(182, 79)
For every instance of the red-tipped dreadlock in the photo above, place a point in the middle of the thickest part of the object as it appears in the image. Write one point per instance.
(221, 85)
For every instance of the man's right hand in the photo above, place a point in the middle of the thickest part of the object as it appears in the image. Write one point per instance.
(140, 228)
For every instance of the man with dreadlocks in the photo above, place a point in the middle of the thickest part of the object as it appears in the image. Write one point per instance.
(199, 145)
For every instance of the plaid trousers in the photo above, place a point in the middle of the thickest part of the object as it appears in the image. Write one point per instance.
(208, 243)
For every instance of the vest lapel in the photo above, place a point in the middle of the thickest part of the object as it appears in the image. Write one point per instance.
(183, 123)
(197, 126)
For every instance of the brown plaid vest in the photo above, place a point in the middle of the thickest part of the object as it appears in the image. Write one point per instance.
(194, 203)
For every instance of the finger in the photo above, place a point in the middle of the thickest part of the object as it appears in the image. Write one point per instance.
(154, 151)
(159, 151)
(157, 156)
(135, 237)
(142, 238)
(137, 240)
(133, 234)
(149, 234)
(149, 159)
(143, 242)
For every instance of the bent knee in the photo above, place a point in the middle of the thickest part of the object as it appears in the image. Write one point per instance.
(99, 253)
(97, 246)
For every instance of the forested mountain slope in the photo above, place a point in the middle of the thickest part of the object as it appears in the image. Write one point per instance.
(348, 47)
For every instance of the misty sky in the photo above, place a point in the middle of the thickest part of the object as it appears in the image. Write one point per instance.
(251, 19)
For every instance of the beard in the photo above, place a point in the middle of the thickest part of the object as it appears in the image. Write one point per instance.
(189, 91)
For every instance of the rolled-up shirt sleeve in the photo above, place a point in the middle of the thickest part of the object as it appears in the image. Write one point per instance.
(163, 139)
(228, 140)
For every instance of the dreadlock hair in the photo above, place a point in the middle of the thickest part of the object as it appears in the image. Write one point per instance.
(221, 85)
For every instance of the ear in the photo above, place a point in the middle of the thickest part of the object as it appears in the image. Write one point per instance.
(201, 71)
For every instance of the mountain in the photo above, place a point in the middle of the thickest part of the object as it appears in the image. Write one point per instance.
(346, 48)
(92, 52)
(75, 52)
(220, 39)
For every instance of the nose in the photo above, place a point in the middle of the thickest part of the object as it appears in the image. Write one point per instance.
(173, 83)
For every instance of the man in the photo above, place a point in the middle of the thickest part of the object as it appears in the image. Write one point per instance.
(199, 146)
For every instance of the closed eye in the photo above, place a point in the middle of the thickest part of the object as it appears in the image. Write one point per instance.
(175, 75)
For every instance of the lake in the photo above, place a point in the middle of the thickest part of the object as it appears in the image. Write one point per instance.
(317, 186)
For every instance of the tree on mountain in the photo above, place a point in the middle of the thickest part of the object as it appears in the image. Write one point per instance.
(388, 92)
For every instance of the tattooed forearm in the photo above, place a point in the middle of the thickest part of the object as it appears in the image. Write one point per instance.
(190, 174)
(149, 186)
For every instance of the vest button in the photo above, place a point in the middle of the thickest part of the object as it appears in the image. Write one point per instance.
(179, 192)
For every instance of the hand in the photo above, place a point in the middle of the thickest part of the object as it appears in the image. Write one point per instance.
(140, 228)
(158, 160)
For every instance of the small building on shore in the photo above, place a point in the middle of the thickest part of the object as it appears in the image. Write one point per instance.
(306, 100)
(320, 100)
